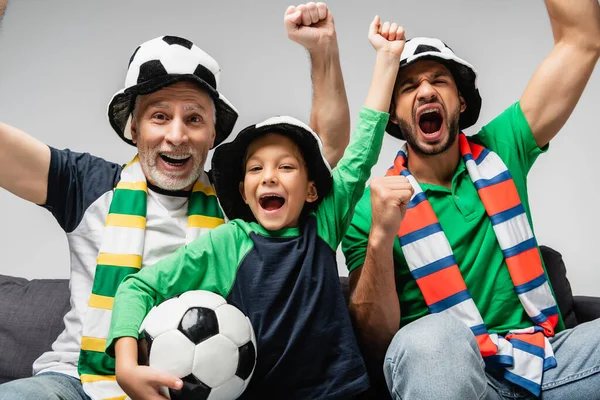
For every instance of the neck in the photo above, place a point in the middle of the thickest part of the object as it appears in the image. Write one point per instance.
(435, 169)
(185, 192)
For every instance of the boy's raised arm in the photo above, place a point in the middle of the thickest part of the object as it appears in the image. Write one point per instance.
(354, 169)
(388, 40)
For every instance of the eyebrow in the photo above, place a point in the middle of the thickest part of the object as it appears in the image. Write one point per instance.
(157, 104)
(164, 105)
(298, 157)
(434, 75)
(194, 107)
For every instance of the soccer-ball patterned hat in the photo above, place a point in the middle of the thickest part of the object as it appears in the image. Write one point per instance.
(228, 162)
(465, 76)
(162, 62)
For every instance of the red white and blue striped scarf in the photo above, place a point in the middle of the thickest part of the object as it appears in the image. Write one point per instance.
(524, 353)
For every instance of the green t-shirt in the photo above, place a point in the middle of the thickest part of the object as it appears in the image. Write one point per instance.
(468, 229)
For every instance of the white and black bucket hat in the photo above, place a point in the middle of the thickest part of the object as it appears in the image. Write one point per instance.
(161, 62)
(229, 158)
(464, 74)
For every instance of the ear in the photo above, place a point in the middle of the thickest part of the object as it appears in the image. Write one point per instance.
(242, 192)
(312, 194)
(463, 103)
(133, 129)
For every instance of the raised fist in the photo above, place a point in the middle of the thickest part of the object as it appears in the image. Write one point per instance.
(387, 37)
(389, 197)
(311, 25)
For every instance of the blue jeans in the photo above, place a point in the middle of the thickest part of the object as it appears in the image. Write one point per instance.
(49, 385)
(437, 357)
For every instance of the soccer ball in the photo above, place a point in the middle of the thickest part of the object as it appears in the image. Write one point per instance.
(203, 340)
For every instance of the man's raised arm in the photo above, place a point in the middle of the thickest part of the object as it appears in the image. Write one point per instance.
(557, 84)
(24, 164)
(311, 25)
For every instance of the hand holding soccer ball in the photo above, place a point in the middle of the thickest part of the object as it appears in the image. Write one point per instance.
(201, 339)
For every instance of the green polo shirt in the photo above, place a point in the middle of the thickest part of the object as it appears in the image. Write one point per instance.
(468, 229)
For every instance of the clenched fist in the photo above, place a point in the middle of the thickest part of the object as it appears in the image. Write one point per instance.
(389, 197)
(387, 37)
(310, 25)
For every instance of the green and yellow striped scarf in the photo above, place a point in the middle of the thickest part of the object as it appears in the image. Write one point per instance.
(120, 255)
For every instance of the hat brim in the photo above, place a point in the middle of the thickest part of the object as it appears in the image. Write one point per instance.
(229, 158)
(122, 104)
(465, 77)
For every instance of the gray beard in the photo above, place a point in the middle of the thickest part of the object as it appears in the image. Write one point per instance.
(410, 134)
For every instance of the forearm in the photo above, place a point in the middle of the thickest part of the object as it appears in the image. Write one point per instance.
(24, 164)
(576, 22)
(374, 304)
(134, 299)
(330, 115)
(382, 84)
(126, 354)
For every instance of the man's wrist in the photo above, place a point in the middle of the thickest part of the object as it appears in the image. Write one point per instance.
(325, 51)
(380, 239)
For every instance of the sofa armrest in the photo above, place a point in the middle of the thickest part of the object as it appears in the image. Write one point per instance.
(587, 308)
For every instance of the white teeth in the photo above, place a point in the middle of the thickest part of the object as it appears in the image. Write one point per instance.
(431, 110)
(177, 156)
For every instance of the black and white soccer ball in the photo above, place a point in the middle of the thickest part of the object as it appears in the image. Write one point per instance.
(203, 340)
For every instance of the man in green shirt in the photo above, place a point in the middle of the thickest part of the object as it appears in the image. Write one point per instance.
(393, 259)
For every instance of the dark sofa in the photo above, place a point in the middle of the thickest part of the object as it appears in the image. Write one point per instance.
(31, 313)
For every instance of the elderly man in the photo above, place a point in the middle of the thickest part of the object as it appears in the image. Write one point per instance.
(119, 219)
(448, 289)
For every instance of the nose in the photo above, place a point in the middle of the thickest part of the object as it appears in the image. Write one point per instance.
(176, 134)
(426, 92)
(269, 176)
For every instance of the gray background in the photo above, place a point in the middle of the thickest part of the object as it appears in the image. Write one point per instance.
(61, 61)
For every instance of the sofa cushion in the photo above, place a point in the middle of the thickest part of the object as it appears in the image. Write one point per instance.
(30, 320)
(557, 272)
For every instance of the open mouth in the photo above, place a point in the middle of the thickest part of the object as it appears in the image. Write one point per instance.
(271, 202)
(430, 121)
(175, 159)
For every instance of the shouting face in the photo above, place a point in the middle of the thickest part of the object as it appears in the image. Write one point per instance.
(276, 185)
(427, 107)
(173, 129)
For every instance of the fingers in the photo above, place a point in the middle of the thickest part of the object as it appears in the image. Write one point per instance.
(292, 18)
(322, 10)
(400, 34)
(314, 12)
(311, 13)
(290, 10)
(375, 26)
(392, 186)
(385, 29)
(161, 379)
(392, 32)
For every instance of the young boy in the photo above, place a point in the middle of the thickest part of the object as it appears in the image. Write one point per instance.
(275, 259)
